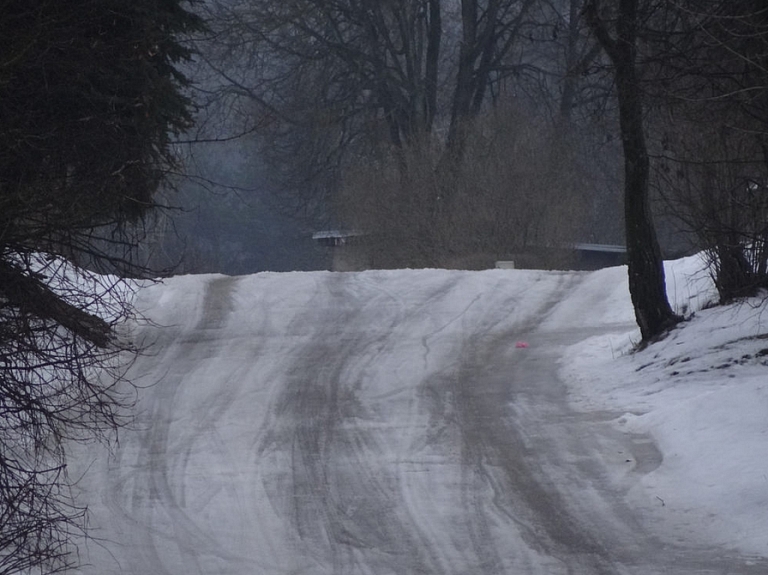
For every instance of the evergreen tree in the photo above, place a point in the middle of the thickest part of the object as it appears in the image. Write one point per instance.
(90, 98)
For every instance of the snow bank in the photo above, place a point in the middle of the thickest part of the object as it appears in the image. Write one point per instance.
(702, 393)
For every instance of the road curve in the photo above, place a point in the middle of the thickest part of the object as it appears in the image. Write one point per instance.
(371, 423)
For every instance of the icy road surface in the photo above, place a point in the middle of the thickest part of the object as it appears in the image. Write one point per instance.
(373, 423)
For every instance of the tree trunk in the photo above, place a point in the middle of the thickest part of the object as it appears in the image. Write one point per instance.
(434, 36)
(646, 268)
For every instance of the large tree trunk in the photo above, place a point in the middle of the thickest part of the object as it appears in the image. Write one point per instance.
(646, 267)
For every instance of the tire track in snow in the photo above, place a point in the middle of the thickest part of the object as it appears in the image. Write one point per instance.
(172, 535)
(463, 431)
(344, 510)
(194, 541)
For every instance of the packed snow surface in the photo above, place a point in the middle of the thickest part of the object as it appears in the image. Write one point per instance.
(440, 422)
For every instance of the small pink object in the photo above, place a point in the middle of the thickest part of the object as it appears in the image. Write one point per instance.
(521, 344)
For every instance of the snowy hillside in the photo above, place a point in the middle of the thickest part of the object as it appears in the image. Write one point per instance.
(702, 394)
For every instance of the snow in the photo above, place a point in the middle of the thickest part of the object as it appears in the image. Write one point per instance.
(701, 395)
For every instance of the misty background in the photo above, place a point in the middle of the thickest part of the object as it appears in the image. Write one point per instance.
(543, 165)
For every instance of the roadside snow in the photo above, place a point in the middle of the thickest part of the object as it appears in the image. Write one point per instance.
(702, 393)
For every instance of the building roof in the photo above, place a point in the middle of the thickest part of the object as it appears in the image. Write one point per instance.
(335, 234)
(605, 248)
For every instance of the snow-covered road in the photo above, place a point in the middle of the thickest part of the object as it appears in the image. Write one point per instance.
(373, 423)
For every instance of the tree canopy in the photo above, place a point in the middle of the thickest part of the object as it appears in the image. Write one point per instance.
(89, 98)
(91, 94)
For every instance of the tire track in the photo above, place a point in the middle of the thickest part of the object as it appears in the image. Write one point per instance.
(162, 463)
(346, 511)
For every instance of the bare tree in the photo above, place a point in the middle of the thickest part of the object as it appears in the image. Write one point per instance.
(646, 270)
(60, 381)
(712, 164)
(397, 71)
(337, 89)
(713, 179)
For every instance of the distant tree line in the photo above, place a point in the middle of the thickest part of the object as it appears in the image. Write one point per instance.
(390, 112)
